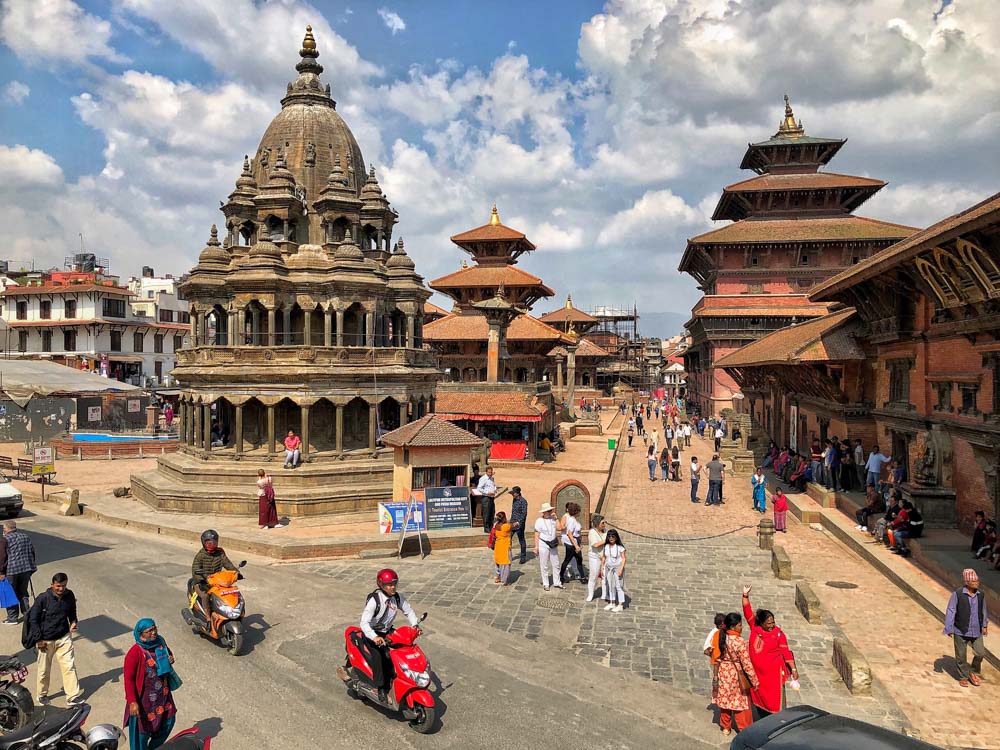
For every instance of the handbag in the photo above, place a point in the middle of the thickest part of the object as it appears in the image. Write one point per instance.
(7, 596)
(744, 680)
(173, 681)
(553, 543)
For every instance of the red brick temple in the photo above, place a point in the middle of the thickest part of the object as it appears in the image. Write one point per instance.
(793, 226)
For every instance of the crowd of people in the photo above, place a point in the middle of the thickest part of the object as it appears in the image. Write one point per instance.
(985, 545)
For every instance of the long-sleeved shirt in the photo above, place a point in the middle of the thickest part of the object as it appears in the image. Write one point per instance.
(208, 563)
(875, 461)
(519, 511)
(20, 557)
(380, 613)
(975, 629)
(50, 616)
(486, 486)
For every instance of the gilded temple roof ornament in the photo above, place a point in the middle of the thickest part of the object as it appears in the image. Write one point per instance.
(789, 127)
(309, 42)
(569, 302)
(494, 216)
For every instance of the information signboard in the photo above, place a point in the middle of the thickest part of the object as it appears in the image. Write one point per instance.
(447, 508)
(43, 461)
(391, 516)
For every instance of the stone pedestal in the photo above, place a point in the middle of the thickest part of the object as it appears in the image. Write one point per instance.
(743, 461)
(936, 504)
(152, 418)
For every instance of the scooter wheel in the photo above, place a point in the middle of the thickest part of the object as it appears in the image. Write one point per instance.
(425, 719)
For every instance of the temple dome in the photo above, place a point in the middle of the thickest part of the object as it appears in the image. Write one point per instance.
(213, 254)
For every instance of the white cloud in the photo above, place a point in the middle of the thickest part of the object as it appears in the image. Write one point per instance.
(49, 31)
(650, 218)
(23, 168)
(392, 20)
(16, 92)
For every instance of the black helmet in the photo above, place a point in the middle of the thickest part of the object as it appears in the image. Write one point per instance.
(209, 534)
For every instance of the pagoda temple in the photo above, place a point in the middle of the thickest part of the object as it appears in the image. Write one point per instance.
(304, 318)
(793, 226)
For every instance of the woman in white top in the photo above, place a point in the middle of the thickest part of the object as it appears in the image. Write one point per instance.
(613, 563)
(547, 541)
(595, 546)
(571, 542)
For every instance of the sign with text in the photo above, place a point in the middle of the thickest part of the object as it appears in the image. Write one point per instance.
(392, 515)
(447, 508)
(134, 405)
(93, 413)
(43, 461)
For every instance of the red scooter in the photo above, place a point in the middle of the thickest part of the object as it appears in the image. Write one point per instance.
(408, 682)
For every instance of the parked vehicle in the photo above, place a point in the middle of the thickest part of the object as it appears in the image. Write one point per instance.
(188, 740)
(808, 728)
(225, 622)
(11, 501)
(408, 683)
(16, 705)
(61, 729)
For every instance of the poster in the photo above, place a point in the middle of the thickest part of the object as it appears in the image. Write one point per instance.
(390, 518)
(447, 508)
(43, 461)
(93, 413)
(134, 405)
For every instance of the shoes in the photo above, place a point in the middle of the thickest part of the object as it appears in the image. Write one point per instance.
(43, 700)
(76, 700)
(609, 607)
(963, 683)
(522, 561)
(545, 586)
(974, 679)
(617, 608)
(864, 528)
(9, 621)
(558, 585)
(590, 598)
(342, 674)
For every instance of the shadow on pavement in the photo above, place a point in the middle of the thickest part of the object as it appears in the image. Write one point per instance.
(946, 665)
(256, 626)
(94, 682)
(101, 629)
(211, 728)
(51, 549)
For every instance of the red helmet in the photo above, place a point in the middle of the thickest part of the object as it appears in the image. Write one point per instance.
(387, 576)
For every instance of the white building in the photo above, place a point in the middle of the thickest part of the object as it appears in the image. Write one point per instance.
(156, 298)
(91, 326)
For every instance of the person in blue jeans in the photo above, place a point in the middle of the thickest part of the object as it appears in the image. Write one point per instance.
(716, 476)
(874, 466)
(695, 478)
(651, 461)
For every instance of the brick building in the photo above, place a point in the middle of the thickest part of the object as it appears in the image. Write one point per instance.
(792, 227)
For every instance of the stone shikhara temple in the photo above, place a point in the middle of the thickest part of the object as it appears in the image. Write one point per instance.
(304, 317)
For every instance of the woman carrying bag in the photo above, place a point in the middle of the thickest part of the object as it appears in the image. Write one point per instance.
(150, 682)
(735, 676)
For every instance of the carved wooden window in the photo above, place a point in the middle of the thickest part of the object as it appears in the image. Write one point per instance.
(943, 396)
(899, 381)
(969, 393)
(959, 274)
(940, 284)
(979, 262)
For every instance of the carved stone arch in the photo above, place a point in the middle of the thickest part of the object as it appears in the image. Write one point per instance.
(979, 262)
(940, 284)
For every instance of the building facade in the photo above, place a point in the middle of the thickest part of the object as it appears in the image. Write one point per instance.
(793, 226)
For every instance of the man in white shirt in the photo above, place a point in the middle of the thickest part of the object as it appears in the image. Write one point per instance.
(859, 461)
(719, 434)
(687, 434)
(874, 466)
(486, 491)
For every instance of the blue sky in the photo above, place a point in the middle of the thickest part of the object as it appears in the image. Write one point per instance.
(605, 131)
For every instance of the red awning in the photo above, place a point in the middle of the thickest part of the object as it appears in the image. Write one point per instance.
(490, 417)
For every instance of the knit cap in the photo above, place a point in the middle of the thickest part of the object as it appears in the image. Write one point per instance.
(970, 576)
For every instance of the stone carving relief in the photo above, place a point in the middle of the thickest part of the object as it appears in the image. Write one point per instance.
(310, 154)
(934, 465)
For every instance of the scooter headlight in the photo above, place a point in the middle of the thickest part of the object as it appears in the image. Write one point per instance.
(233, 613)
(422, 679)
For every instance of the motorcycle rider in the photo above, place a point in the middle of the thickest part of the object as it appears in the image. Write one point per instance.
(379, 614)
(210, 559)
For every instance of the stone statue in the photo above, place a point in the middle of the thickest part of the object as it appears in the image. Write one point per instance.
(926, 470)
(310, 154)
(265, 155)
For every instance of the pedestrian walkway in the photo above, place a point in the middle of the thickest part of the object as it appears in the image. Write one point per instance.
(900, 639)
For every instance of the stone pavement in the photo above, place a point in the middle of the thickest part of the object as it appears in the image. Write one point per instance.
(901, 641)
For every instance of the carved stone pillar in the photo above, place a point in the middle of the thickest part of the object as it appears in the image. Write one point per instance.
(192, 410)
(287, 337)
(372, 422)
(181, 417)
(270, 430)
(570, 378)
(239, 430)
(559, 375)
(404, 413)
(304, 430)
(206, 426)
(410, 332)
(369, 329)
(339, 437)
(328, 328)
(340, 328)
(197, 426)
(271, 319)
(307, 328)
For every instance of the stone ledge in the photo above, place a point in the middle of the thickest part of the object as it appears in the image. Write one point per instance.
(852, 667)
(781, 563)
(807, 603)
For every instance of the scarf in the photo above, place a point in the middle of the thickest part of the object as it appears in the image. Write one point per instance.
(158, 646)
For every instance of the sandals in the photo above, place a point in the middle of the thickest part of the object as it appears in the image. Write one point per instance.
(974, 679)
(963, 683)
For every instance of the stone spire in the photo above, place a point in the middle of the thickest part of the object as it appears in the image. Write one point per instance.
(308, 86)
(789, 128)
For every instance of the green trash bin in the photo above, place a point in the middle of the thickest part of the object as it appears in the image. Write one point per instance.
(611, 444)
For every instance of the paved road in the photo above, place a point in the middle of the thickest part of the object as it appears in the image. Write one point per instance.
(498, 689)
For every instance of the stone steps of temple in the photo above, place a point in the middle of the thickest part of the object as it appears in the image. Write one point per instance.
(356, 470)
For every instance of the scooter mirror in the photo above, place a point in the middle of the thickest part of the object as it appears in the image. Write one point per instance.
(242, 564)
(423, 617)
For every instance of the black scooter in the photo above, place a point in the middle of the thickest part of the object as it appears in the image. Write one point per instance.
(16, 705)
(61, 729)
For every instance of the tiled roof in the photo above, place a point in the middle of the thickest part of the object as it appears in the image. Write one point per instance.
(804, 230)
(719, 305)
(826, 339)
(17, 291)
(430, 431)
(567, 315)
(473, 327)
(431, 309)
(802, 181)
(584, 349)
(775, 311)
(982, 214)
(485, 404)
(491, 233)
(490, 276)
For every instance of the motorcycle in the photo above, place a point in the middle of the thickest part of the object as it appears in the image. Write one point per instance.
(16, 705)
(225, 621)
(62, 729)
(408, 682)
(188, 740)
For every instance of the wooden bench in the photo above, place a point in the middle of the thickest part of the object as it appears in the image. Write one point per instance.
(7, 466)
(25, 467)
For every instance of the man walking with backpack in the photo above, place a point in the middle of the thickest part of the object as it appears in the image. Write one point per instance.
(52, 624)
(17, 564)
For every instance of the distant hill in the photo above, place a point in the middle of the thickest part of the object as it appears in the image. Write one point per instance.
(662, 325)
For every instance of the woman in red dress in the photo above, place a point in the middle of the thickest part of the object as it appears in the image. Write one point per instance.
(267, 511)
(771, 657)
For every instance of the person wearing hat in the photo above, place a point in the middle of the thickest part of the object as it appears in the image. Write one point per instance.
(966, 621)
(547, 546)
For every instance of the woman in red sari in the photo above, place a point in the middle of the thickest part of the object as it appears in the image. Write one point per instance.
(771, 657)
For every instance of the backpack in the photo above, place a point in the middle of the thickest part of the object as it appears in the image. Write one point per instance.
(491, 542)
(378, 602)
(28, 638)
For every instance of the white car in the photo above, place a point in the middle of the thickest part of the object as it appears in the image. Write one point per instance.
(11, 501)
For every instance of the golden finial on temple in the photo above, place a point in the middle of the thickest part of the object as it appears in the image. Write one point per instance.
(494, 217)
(569, 302)
(309, 42)
(789, 128)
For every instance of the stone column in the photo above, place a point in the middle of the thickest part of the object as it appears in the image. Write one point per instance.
(372, 422)
(239, 429)
(307, 328)
(203, 328)
(559, 375)
(570, 378)
(194, 329)
(411, 341)
(304, 410)
(181, 423)
(207, 427)
(339, 437)
(287, 337)
(270, 430)
(271, 317)
(369, 329)
(189, 428)
(340, 327)
(404, 413)
(493, 354)
(327, 328)
(196, 438)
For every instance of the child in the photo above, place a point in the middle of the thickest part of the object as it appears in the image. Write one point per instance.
(501, 549)
(712, 651)
(989, 540)
(780, 510)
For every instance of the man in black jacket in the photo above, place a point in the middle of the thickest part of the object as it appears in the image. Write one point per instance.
(52, 623)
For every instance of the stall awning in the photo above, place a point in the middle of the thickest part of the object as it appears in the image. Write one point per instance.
(489, 407)
(488, 417)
